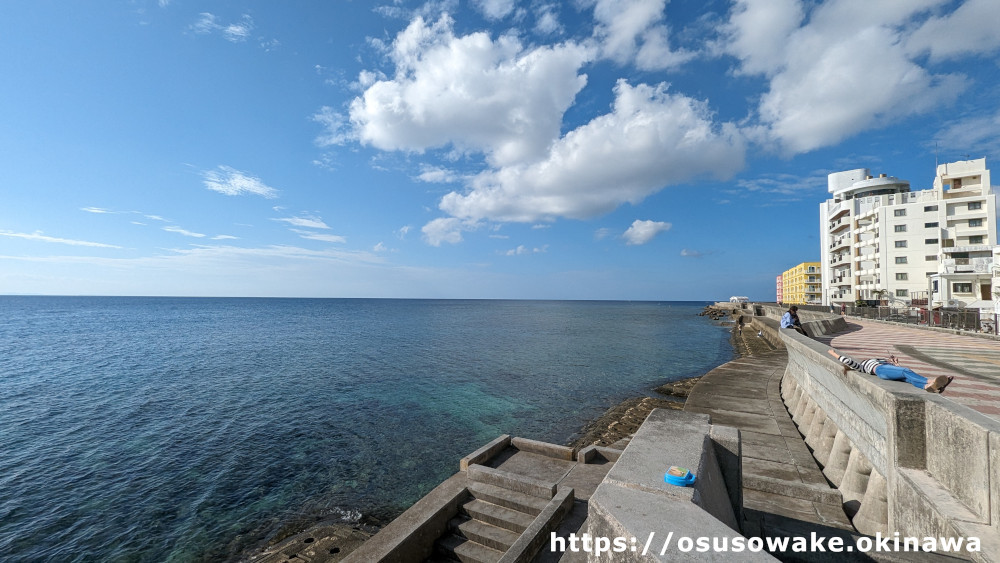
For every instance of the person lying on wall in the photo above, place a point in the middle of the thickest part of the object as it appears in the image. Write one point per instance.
(891, 370)
(791, 320)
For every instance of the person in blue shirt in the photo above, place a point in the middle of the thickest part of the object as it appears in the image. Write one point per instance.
(791, 320)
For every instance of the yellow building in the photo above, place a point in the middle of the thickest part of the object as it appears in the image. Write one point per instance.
(802, 284)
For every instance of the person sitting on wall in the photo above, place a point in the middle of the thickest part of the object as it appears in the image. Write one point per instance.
(791, 320)
(891, 370)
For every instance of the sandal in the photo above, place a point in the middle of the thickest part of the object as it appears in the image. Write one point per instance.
(941, 388)
(938, 384)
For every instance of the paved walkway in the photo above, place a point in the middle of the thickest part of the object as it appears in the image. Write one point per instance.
(784, 492)
(974, 362)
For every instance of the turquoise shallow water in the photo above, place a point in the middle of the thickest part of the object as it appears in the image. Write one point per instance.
(174, 429)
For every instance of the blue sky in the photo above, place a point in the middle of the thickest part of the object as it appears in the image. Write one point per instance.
(598, 149)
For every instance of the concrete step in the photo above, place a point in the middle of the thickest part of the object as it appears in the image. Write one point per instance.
(483, 533)
(507, 498)
(499, 516)
(456, 548)
(813, 493)
(510, 480)
(621, 444)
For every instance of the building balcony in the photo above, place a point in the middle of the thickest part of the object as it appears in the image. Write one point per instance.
(840, 242)
(967, 248)
(839, 210)
(965, 192)
(840, 226)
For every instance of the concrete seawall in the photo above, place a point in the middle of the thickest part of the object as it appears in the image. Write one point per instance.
(906, 461)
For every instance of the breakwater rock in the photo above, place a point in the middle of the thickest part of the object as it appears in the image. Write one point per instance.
(714, 313)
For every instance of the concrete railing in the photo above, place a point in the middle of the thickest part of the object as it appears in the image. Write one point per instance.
(905, 461)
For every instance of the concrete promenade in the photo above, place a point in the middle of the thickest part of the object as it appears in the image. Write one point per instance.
(784, 491)
(974, 362)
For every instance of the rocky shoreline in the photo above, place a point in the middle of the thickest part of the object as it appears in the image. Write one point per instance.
(329, 542)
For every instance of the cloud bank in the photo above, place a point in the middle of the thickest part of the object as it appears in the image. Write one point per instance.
(828, 70)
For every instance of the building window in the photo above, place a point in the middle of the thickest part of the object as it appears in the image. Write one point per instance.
(974, 205)
(978, 239)
(930, 241)
(900, 244)
(900, 228)
(930, 225)
(901, 259)
(935, 284)
(930, 208)
(930, 258)
(899, 213)
(812, 269)
(902, 292)
(975, 222)
(902, 277)
(961, 287)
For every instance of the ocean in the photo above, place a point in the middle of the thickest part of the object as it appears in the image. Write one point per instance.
(189, 429)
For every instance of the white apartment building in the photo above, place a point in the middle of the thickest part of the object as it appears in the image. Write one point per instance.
(882, 241)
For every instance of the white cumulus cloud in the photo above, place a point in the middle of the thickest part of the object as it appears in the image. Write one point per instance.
(470, 92)
(642, 232)
(840, 69)
(446, 229)
(630, 31)
(650, 140)
(494, 9)
(970, 29)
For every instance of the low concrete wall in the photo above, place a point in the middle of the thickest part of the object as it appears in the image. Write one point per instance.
(815, 323)
(485, 452)
(634, 501)
(767, 329)
(538, 532)
(410, 537)
(543, 448)
(904, 460)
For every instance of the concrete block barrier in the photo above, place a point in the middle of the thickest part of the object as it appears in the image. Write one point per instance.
(543, 448)
(486, 452)
(635, 501)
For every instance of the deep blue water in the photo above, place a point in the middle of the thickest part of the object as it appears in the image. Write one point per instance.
(176, 429)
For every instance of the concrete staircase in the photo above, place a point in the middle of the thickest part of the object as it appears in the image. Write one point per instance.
(488, 523)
